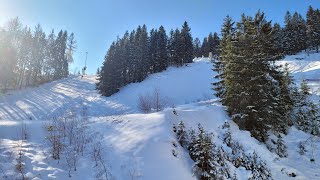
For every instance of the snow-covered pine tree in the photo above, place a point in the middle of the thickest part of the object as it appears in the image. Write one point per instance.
(259, 168)
(307, 111)
(182, 134)
(251, 91)
(227, 139)
(215, 45)
(218, 65)
(314, 118)
(205, 167)
(191, 146)
(281, 148)
(313, 29)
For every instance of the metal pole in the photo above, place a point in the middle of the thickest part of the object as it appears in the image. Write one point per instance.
(85, 63)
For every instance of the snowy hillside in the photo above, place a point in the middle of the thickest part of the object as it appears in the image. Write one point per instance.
(304, 66)
(136, 145)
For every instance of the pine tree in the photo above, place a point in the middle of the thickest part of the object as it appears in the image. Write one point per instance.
(71, 47)
(161, 50)
(153, 50)
(191, 146)
(259, 168)
(314, 118)
(98, 71)
(205, 167)
(279, 38)
(216, 43)
(186, 44)
(142, 41)
(30, 58)
(281, 149)
(227, 34)
(196, 48)
(211, 44)
(307, 115)
(248, 56)
(313, 29)
(205, 47)
(182, 134)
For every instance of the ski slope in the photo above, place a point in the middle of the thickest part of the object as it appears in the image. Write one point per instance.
(136, 145)
(304, 66)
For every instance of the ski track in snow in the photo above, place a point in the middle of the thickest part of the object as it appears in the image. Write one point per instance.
(142, 143)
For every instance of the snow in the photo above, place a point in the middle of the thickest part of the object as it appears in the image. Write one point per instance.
(304, 66)
(136, 145)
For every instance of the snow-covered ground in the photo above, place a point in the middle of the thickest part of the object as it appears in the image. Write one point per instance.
(304, 66)
(136, 145)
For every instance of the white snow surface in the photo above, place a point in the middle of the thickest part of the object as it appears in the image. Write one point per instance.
(136, 144)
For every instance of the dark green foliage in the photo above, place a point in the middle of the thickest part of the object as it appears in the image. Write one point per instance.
(307, 116)
(227, 32)
(259, 168)
(197, 48)
(209, 159)
(313, 29)
(186, 44)
(294, 33)
(210, 44)
(249, 81)
(281, 148)
(131, 58)
(182, 135)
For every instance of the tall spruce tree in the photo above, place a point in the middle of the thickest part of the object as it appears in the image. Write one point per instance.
(205, 47)
(196, 48)
(161, 50)
(251, 91)
(219, 64)
(313, 29)
(186, 45)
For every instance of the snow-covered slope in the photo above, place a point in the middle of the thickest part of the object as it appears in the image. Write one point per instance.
(135, 145)
(304, 66)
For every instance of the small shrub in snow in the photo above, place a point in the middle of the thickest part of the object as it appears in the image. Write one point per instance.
(234, 176)
(227, 139)
(226, 125)
(55, 138)
(259, 168)
(174, 153)
(100, 162)
(302, 148)
(175, 112)
(281, 149)
(155, 101)
(24, 132)
(145, 103)
(20, 165)
(72, 158)
(67, 137)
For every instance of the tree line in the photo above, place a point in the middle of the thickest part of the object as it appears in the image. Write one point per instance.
(298, 33)
(259, 94)
(30, 57)
(131, 58)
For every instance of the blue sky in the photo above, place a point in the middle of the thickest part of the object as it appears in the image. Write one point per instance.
(96, 23)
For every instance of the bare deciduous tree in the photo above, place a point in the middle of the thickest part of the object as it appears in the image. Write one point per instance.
(155, 101)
